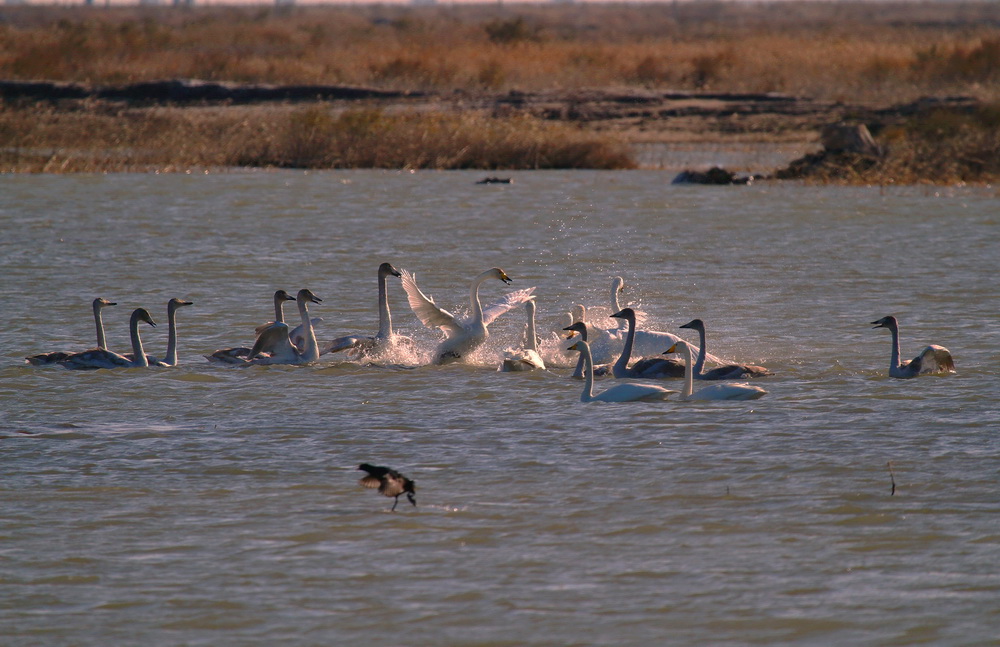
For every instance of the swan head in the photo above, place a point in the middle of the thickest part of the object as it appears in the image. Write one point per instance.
(678, 347)
(695, 324)
(101, 302)
(141, 314)
(617, 284)
(625, 313)
(175, 303)
(386, 269)
(578, 312)
(281, 295)
(886, 322)
(306, 295)
(496, 272)
(577, 328)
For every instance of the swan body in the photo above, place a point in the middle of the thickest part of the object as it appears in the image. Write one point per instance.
(238, 354)
(103, 358)
(527, 358)
(651, 368)
(276, 341)
(462, 336)
(580, 328)
(726, 371)
(45, 359)
(361, 345)
(932, 359)
(727, 391)
(619, 392)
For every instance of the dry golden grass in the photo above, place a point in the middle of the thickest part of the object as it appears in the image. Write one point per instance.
(856, 51)
(103, 138)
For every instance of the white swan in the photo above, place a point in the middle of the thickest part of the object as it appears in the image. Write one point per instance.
(647, 368)
(727, 391)
(932, 359)
(275, 339)
(527, 358)
(462, 336)
(619, 392)
(170, 359)
(102, 358)
(44, 359)
(238, 354)
(359, 345)
(725, 372)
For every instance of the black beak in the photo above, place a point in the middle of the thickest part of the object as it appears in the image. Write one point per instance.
(412, 499)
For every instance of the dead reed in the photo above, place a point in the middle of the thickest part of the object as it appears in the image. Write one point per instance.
(106, 138)
(852, 51)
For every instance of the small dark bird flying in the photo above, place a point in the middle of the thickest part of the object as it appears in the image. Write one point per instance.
(389, 482)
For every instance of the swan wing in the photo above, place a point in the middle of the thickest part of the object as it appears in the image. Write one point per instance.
(424, 307)
(346, 343)
(634, 393)
(509, 301)
(732, 391)
(270, 339)
(96, 358)
(934, 359)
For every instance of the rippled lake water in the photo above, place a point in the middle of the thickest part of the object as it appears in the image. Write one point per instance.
(211, 505)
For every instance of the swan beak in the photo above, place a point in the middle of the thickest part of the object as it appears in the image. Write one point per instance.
(316, 299)
(672, 349)
(289, 297)
(575, 346)
(412, 499)
(505, 278)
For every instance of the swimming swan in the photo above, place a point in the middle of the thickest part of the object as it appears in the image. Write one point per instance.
(619, 392)
(647, 368)
(57, 356)
(276, 340)
(728, 391)
(527, 358)
(933, 359)
(725, 372)
(102, 358)
(360, 345)
(239, 354)
(462, 336)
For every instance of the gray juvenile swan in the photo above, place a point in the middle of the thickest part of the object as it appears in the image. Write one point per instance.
(360, 345)
(275, 338)
(170, 359)
(727, 391)
(620, 392)
(725, 372)
(102, 358)
(462, 336)
(527, 358)
(580, 328)
(649, 368)
(238, 354)
(932, 359)
(45, 359)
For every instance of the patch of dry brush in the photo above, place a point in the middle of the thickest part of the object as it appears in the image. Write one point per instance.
(106, 138)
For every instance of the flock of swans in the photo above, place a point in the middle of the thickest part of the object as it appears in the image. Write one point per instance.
(277, 343)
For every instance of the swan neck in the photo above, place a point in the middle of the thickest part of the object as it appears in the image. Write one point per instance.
(477, 307)
(138, 355)
(532, 342)
(279, 310)
(688, 370)
(310, 348)
(171, 357)
(621, 366)
(99, 321)
(588, 376)
(384, 317)
(699, 364)
(894, 357)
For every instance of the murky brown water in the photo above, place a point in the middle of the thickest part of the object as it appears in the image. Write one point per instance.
(205, 505)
